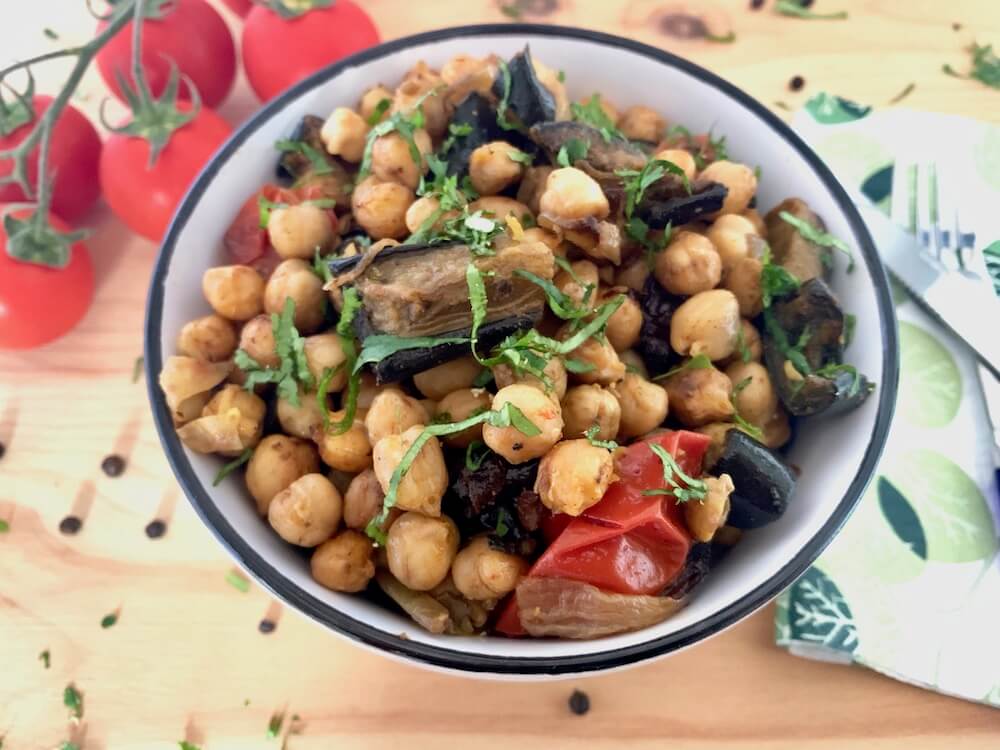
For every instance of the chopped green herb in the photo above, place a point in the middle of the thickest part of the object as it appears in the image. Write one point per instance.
(850, 323)
(757, 172)
(352, 303)
(748, 427)
(775, 281)
(572, 151)
(380, 346)
(511, 10)
(502, 522)
(832, 370)
(697, 362)
(719, 149)
(109, 620)
(520, 157)
(320, 164)
(322, 389)
(561, 76)
(68, 745)
(442, 418)
(636, 182)
(639, 231)
(726, 39)
(237, 581)
(560, 303)
(577, 366)
(4, 526)
(406, 124)
(232, 466)
(782, 105)
(73, 700)
(50, 33)
(456, 130)
(819, 237)
(185, 745)
(903, 94)
(274, 725)
(591, 435)
(793, 353)
(137, 368)
(289, 345)
(478, 301)
(741, 345)
(475, 454)
(673, 475)
(796, 9)
(46, 658)
(380, 109)
(504, 102)
(264, 208)
(483, 379)
(985, 65)
(321, 268)
(592, 113)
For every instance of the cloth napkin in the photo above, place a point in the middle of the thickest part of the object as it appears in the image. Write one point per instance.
(911, 586)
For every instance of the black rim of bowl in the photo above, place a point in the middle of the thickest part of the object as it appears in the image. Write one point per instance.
(465, 661)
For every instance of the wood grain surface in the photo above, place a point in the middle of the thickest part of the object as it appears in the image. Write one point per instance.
(186, 660)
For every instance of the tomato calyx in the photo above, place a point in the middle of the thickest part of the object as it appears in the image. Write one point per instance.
(19, 112)
(33, 240)
(154, 11)
(294, 8)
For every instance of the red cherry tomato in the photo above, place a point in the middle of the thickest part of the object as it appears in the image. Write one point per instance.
(279, 52)
(193, 35)
(145, 198)
(239, 7)
(74, 152)
(39, 304)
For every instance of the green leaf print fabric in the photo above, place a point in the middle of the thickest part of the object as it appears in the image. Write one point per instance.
(911, 585)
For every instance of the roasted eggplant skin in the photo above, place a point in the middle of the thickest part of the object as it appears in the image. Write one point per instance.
(658, 306)
(477, 114)
(527, 97)
(676, 210)
(764, 483)
(602, 155)
(292, 165)
(800, 257)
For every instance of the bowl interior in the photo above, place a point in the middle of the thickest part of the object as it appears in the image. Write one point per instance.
(835, 456)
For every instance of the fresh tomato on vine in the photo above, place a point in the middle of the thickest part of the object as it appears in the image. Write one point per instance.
(187, 33)
(74, 153)
(286, 40)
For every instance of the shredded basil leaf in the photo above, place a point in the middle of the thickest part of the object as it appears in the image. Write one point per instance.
(406, 124)
(798, 10)
(592, 113)
(320, 164)
(748, 427)
(832, 370)
(985, 65)
(775, 281)
(693, 489)
(475, 454)
(504, 103)
(237, 581)
(636, 182)
(380, 109)
(741, 345)
(819, 237)
(73, 700)
(793, 353)
(572, 151)
(293, 370)
(477, 298)
(521, 157)
(560, 303)
(591, 435)
(232, 466)
(697, 362)
(850, 323)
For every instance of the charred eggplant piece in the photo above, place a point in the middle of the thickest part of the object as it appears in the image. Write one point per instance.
(329, 181)
(527, 97)
(606, 156)
(676, 210)
(477, 114)
(800, 257)
(696, 566)
(294, 164)
(657, 305)
(764, 483)
(418, 291)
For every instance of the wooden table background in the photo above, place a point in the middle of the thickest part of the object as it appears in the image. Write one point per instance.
(186, 660)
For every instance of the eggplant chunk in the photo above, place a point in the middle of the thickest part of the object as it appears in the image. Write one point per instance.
(294, 164)
(676, 210)
(764, 483)
(527, 97)
(476, 114)
(800, 257)
(606, 156)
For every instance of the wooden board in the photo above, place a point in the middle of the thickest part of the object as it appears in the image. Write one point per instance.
(186, 654)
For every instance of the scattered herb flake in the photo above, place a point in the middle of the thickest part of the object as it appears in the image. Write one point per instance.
(320, 164)
(792, 352)
(521, 157)
(592, 113)
(289, 345)
(73, 700)
(775, 281)
(748, 427)
(591, 435)
(504, 102)
(985, 65)
(237, 581)
(185, 745)
(819, 237)
(404, 123)
(46, 658)
(782, 105)
(560, 303)
(50, 33)
(724, 39)
(697, 362)
(264, 208)
(561, 76)
(475, 454)
(502, 527)
(109, 620)
(68, 745)
(636, 182)
(137, 368)
(380, 109)
(903, 94)
(832, 370)
(741, 346)
(511, 10)
(232, 466)
(483, 379)
(673, 475)
(4, 526)
(798, 10)
(274, 725)
(850, 323)
(572, 151)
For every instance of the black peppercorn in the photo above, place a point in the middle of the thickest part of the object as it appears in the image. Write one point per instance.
(579, 702)
(113, 465)
(266, 626)
(796, 83)
(156, 529)
(756, 4)
(70, 525)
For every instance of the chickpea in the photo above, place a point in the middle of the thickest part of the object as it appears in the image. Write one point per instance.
(362, 500)
(625, 323)
(211, 338)
(751, 340)
(421, 210)
(414, 90)
(743, 280)
(705, 517)
(606, 366)
(344, 134)
(717, 432)
(295, 279)
(462, 404)
(571, 194)
(371, 101)
(700, 395)
(257, 340)
(420, 550)
(392, 159)
(277, 461)
(302, 420)
(756, 399)
(634, 363)
(539, 409)
(574, 476)
(367, 390)
(482, 573)
(759, 226)
(739, 180)
(380, 207)
(644, 405)
(776, 430)
(554, 370)
(307, 512)
(681, 158)
(588, 405)
(325, 351)
(350, 451)
(547, 238)
(299, 231)
(392, 413)
(529, 192)
(498, 208)
(641, 123)
(607, 276)
(585, 277)
(186, 383)
(707, 323)
(250, 408)
(345, 563)
(234, 292)
(493, 168)
(460, 67)
(438, 382)
(689, 265)
(634, 275)
(426, 480)
(731, 234)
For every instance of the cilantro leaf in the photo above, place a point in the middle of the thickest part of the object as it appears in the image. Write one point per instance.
(591, 435)
(798, 10)
(380, 109)
(504, 102)
(232, 466)
(293, 370)
(477, 298)
(697, 362)
(572, 151)
(320, 164)
(793, 353)
(73, 700)
(636, 182)
(748, 427)
(592, 113)
(564, 306)
(775, 281)
(985, 65)
(475, 454)
(406, 124)
(521, 157)
(819, 237)
(692, 489)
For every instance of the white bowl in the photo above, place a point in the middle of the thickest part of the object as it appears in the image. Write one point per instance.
(837, 456)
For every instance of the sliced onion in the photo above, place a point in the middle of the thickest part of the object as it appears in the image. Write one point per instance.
(217, 433)
(183, 378)
(562, 608)
(426, 611)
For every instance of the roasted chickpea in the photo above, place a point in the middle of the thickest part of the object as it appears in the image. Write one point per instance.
(547, 238)
(498, 208)
(462, 404)
(363, 500)
(574, 476)
(234, 292)
(344, 134)
(753, 216)
(299, 231)
(392, 413)
(392, 158)
(302, 420)
(367, 390)
(307, 512)
(494, 166)
(529, 192)
(681, 158)
(705, 517)
(371, 102)
(186, 383)
(211, 338)
(277, 461)
(634, 363)
(294, 279)
(426, 480)
(539, 409)
(707, 323)
(482, 573)
(634, 275)
(776, 431)
(689, 265)
(731, 235)
(415, 91)
(345, 563)
(438, 382)
(586, 406)
(644, 405)
(739, 180)
(420, 550)
(581, 283)
(554, 370)
(751, 342)
(460, 67)
(699, 395)
(325, 351)
(248, 406)
(754, 395)
(571, 194)
(605, 365)
(349, 451)
(743, 280)
(641, 123)
(625, 323)
(257, 340)
(421, 210)
(717, 432)
(380, 207)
